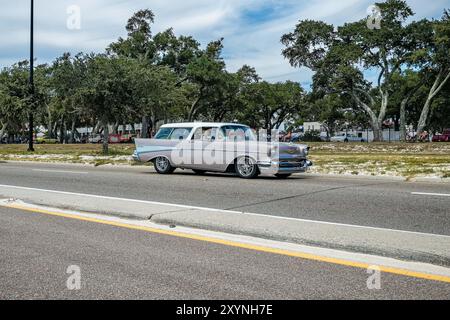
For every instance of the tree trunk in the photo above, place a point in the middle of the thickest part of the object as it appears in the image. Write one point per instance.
(72, 133)
(384, 105)
(377, 132)
(115, 128)
(194, 105)
(153, 121)
(2, 131)
(54, 130)
(375, 122)
(97, 128)
(66, 135)
(106, 138)
(403, 119)
(61, 131)
(403, 107)
(144, 132)
(437, 87)
(49, 124)
(424, 116)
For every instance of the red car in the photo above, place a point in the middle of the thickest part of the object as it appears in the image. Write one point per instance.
(445, 137)
(117, 138)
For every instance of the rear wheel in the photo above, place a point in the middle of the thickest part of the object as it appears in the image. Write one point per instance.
(163, 166)
(282, 176)
(247, 168)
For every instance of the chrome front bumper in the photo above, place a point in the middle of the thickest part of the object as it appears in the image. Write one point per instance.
(284, 166)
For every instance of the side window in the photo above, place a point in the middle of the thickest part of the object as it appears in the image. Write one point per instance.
(180, 133)
(198, 134)
(236, 134)
(163, 133)
(205, 134)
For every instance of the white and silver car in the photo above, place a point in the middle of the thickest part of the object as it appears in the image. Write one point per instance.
(220, 147)
(347, 137)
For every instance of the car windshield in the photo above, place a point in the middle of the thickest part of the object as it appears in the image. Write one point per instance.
(180, 133)
(163, 133)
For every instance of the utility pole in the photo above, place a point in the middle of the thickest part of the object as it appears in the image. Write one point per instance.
(31, 107)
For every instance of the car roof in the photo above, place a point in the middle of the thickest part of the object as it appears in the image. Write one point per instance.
(200, 124)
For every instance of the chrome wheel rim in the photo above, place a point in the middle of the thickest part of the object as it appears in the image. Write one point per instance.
(246, 167)
(162, 163)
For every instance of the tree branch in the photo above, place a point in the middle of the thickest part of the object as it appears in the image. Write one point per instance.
(438, 89)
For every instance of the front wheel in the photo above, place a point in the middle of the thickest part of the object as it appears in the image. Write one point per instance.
(163, 166)
(247, 168)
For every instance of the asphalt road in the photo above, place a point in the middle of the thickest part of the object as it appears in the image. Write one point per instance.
(358, 201)
(119, 263)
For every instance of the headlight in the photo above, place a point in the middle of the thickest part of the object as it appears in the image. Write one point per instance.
(304, 150)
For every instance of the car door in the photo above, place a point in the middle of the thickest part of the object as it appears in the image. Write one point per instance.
(178, 141)
(200, 144)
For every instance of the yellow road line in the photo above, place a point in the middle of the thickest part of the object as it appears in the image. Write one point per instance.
(229, 243)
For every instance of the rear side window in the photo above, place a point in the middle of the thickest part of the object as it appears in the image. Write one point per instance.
(207, 134)
(164, 133)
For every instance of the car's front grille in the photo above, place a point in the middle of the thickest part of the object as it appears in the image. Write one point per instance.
(292, 163)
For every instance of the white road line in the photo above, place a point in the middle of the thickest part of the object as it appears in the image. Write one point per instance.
(219, 210)
(60, 171)
(430, 194)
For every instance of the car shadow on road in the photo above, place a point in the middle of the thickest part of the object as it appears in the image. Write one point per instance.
(188, 173)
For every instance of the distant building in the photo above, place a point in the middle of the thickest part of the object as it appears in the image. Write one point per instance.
(314, 126)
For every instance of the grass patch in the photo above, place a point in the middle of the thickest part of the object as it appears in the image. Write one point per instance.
(67, 149)
(403, 160)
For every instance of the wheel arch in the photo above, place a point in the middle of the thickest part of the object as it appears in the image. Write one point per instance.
(232, 166)
(152, 159)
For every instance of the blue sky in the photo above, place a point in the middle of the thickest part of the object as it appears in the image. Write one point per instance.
(251, 28)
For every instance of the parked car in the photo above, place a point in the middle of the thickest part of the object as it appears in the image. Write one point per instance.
(296, 137)
(220, 147)
(444, 137)
(96, 138)
(127, 138)
(45, 140)
(121, 138)
(114, 138)
(347, 137)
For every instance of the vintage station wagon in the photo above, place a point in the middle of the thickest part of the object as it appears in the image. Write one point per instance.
(220, 147)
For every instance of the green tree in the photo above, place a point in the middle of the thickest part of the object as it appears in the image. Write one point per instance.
(14, 98)
(341, 58)
(268, 105)
(207, 73)
(105, 93)
(434, 58)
